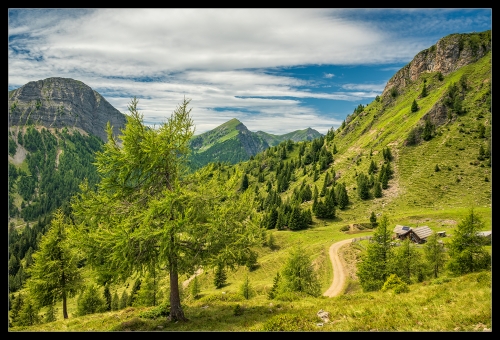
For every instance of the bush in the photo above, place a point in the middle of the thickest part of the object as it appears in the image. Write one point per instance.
(162, 310)
(90, 302)
(396, 284)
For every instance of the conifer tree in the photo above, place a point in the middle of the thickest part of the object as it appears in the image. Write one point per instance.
(467, 253)
(342, 198)
(299, 274)
(107, 297)
(148, 211)
(220, 276)
(115, 302)
(195, 288)
(414, 106)
(373, 220)
(124, 299)
(435, 254)
(373, 269)
(246, 289)
(55, 274)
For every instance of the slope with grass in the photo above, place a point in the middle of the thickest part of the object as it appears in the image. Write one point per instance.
(417, 194)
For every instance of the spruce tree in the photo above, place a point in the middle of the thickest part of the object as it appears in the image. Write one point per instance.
(55, 274)
(435, 254)
(467, 253)
(195, 288)
(373, 270)
(299, 274)
(124, 299)
(246, 289)
(220, 276)
(115, 302)
(373, 220)
(107, 297)
(414, 106)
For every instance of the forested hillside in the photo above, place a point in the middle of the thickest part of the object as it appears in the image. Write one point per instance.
(419, 154)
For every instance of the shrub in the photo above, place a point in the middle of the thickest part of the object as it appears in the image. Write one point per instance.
(396, 284)
(162, 310)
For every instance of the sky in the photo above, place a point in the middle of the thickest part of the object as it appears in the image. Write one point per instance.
(276, 70)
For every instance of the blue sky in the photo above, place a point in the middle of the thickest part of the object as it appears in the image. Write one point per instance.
(276, 70)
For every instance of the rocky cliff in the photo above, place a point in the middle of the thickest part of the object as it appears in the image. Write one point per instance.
(63, 102)
(447, 55)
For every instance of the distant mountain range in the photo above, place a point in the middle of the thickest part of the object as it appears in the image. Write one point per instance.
(232, 143)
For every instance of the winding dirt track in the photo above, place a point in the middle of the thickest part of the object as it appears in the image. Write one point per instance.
(339, 272)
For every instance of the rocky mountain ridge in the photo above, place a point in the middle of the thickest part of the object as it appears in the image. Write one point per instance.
(63, 102)
(448, 55)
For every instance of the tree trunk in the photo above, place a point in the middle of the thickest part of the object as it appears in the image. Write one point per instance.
(65, 308)
(176, 312)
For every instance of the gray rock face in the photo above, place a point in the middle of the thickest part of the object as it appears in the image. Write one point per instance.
(448, 55)
(63, 102)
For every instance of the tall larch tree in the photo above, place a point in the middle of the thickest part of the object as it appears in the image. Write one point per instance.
(149, 213)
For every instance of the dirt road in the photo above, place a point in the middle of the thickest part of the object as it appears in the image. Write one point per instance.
(339, 272)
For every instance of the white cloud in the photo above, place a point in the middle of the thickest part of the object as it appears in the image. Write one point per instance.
(220, 58)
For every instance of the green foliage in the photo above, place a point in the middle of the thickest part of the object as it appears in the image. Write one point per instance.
(424, 93)
(373, 220)
(160, 311)
(298, 273)
(246, 289)
(148, 212)
(237, 310)
(394, 92)
(407, 262)
(435, 254)
(123, 299)
(274, 289)
(467, 253)
(414, 106)
(115, 302)
(363, 188)
(395, 284)
(90, 302)
(244, 183)
(374, 268)
(55, 274)
(195, 288)
(220, 276)
(28, 316)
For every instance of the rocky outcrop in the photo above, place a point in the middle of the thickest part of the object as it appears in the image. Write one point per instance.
(252, 143)
(447, 55)
(63, 102)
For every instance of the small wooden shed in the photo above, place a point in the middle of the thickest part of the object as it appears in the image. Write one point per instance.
(417, 235)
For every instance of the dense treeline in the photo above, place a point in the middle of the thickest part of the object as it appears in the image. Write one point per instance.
(56, 164)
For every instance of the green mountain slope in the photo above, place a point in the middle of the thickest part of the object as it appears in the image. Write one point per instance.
(296, 136)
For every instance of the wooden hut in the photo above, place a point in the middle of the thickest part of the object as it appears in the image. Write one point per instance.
(417, 235)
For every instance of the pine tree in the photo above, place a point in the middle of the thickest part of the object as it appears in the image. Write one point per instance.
(414, 106)
(406, 262)
(467, 253)
(115, 302)
(246, 289)
(55, 274)
(244, 183)
(90, 302)
(377, 189)
(124, 300)
(220, 276)
(374, 269)
(275, 288)
(373, 220)
(299, 274)
(107, 297)
(133, 293)
(424, 91)
(342, 198)
(435, 254)
(195, 288)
